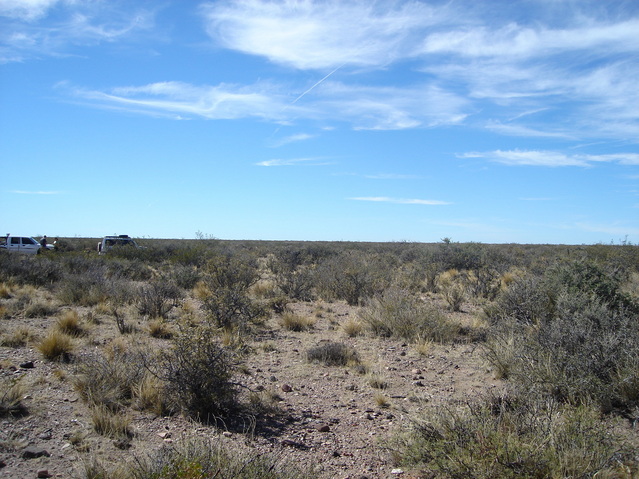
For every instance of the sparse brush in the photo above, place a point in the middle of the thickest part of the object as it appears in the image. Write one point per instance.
(40, 309)
(295, 322)
(511, 437)
(198, 458)
(21, 336)
(201, 291)
(109, 380)
(108, 423)
(69, 323)
(352, 327)
(424, 346)
(56, 346)
(333, 354)
(398, 313)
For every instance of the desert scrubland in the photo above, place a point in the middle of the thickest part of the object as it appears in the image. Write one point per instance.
(254, 359)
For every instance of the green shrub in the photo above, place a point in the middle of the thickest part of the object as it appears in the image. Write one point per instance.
(510, 437)
(576, 336)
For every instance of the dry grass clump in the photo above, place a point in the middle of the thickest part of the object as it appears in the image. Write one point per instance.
(109, 423)
(110, 379)
(56, 346)
(21, 336)
(353, 327)
(199, 458)
(376, 381)
(398, 313)
(69, 323)
(296, 322)
(40, 309)
(333, 354)
(12, 391)
(160, 329)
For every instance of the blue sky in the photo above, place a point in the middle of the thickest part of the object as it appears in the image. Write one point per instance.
(489, 121)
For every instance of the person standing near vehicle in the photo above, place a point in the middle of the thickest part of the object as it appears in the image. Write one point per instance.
(43, 242)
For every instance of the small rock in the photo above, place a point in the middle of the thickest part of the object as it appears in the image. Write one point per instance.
(32, 452)
(324, 428)
(2, 464)
(286, 388)
(164, 435)
(419, 383)
(27, 365)
(397, 472)
(227, 434)
(44, 473)
(46, 435)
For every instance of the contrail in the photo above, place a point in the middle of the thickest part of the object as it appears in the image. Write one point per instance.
(306, 92)
(317, 83)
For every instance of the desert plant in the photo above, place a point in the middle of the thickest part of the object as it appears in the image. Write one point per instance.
(510, 436)
(109, 380)
(40, 309)
(199, 459)
(56, 346)
(109, 423)
(69, 323)
(296, 322)
(156, 298)
(352, 327)
(397, 313)
(197, 372)
(160, 329)
(21, 336)
(12, 392)
(332, 354)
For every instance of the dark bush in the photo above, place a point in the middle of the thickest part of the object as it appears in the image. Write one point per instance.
(156, 298)
(197, 372)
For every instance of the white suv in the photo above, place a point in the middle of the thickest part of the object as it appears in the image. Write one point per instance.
(20, 244)
(109, 242)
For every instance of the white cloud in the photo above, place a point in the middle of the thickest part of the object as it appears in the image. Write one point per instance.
(27, 10)
(24, 192)
(401, 201)
(292, 162)
(319, 35)
(552, 158)
(28, 31)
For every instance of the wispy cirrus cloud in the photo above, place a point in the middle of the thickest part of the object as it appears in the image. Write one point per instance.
(562, 55)
(378, 108)
(294, 162)
(552, 158)
(24, 33)
(400, 201)
(26, 192)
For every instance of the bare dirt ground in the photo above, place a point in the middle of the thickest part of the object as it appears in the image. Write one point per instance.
(334, 420)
